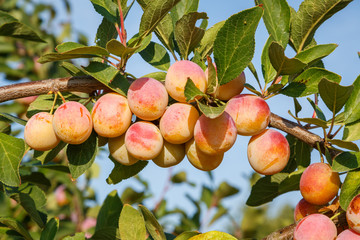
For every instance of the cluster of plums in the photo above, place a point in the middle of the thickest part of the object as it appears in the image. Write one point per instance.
(180, 129)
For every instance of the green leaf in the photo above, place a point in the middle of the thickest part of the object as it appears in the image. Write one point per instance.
(136, 41)
(13, 118)
(209, 111)
(109, 212)
(156, 55)
(82, 156)
(225, 190)
(318, 111)
(352, 106)
(50, 229)
(131, 224)
(154, 12)
(53, 57)
(182, 8)
(291, 182)
(282, 64)
(160, 76)
(352, 131)
(211, 78)
(234, 45)
(346, 161)
(12, 150)
(47, 156)
(191, 91)
(77, 48)
(180, 177)
(334, 95)
(107, 8)
(11, 27)
(265, 189)
(187, 35)
(220, 212)
(268, 70)
(72, 69)
(105, 32)
(152, 225)
(277, 19)
(121, 172)
(350, 188)
(77, 236)
(207, 42)
(16, 226)
(108, 76)
(302, 154)
(117, 48)
(252, 89)
(206, 195)
(315, 53)
(106, 233)
(186, 235)
(311, 14)
(308, 82)
(38, 179)
(344, 144)
(315, 121)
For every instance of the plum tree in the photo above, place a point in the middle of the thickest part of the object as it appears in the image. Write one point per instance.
(315, 227)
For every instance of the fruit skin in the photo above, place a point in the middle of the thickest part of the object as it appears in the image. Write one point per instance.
(177, 76)
(319, 184)
(251, 114)
(178, 122)
(170, 155)
(268, 152)
(315, 227)
(143, 140)
(39, 133)
(303, 208)
(214, 136)
(72, 123)
(353, 214)
(348, 234)
(26, 100)
(119, 152)
(201, 160)
(111, 115)
(147, 98)
(213, 235)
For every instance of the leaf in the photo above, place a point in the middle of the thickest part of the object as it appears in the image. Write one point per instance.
(282, 64)
(186, 235)
(53, 57)
(82, 156)
(154, 12)
(291, 182)
(179, 177)
(16, 226)
(235, 44)
(152, 225)
(121, 172)
(315, 121)
(268, 70)
(131, 224)
(352, 131)
(12, 150)
(352, 106)
(318, 111)
(191, 91)
(315, 53)
(206, 196)
(160, 76)
(72, 69)
(106, 233)
(182, 8)
(211, 112)
(77, 236)
(108, 76)
(346, 161)
(11, 27)
(308, 82)
(47, 156)
(207, 42)
(225, 190)
(334, 95)
(13, 118)
(156, 55)
(105, 32)
(187, 35)
(50, 229)
(211, 77)
(302, 154)
(109, 212)
(107, 8)
(311, 14)
(277, 19)
(350, 188)
(221, 211)
(38, 179)
(77, 48)
(344, 144)
(137, 41)
(117, 48)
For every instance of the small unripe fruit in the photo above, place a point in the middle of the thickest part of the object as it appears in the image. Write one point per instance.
(214, 136)
(353, 214)
(315, 227)
(119, 152)
(178, 122)
(111, 115)
(251, 114)
(303, 208)
(171, 155)
(201, 160)
(147, 98)
(72, 123)
(177, 76)
(348, 234)
(39, 133)
(319, 184)
(143, 140)
(268, 152)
